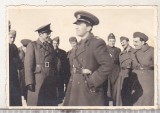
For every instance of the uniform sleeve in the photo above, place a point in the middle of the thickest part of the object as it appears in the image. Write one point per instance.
(117, 56)
(105, 63)
(29, 63)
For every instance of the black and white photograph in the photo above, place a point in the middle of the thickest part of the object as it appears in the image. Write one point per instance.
(82, 57)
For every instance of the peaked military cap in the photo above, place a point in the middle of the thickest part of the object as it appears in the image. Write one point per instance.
(72, 39)
(111, 36)
(83, 16)
(25, 42)
(123, 38)
(44, 29)
(56, 39)
(140, 35)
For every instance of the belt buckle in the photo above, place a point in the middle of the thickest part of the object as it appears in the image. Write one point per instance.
(46, 64)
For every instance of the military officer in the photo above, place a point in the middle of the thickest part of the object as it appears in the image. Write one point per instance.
(62, 68)
(91, 65)
(14, 85)
(143, 67)
(22, 51)
(114, 54)
(39, 70)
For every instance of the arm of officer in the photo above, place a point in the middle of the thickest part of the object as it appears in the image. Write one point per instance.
(29, 63)
(105, 63)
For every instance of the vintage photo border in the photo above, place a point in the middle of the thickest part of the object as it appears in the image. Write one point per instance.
(92, 107)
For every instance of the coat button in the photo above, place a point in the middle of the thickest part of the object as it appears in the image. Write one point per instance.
(78, 82)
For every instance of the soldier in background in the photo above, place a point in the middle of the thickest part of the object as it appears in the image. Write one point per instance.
(112, 80)
(22, 51)
(62, 68)
(143, 67)
(14, 85)
(128, 86)
(91, 65)
(70, 55)
(40, 70)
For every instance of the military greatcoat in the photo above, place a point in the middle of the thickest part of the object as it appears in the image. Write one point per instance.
(39, 71)
(88, 90)
(143, 65)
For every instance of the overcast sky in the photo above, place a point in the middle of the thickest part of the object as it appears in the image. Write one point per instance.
(121, 21)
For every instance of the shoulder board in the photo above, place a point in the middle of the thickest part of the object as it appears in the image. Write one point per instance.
(96, 37)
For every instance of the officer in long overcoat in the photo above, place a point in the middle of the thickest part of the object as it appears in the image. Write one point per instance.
(143, 67)
(21, 52)
(112, 80)
(14, 85)
(91, 65)
(128, 85)
(39, 70)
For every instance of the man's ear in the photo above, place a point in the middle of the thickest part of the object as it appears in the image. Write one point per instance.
(89, 28)
(143, 42)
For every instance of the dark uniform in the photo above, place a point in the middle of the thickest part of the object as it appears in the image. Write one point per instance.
(62, 70)
(21, 69)
(91, 53)
(39, 72)
(143, 68)
(112, 81)
(14, 85)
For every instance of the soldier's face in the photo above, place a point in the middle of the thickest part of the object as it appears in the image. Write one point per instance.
(111, 42)
(73, 44)
(45, 36)
(55, 44)
(82, 29)
(125, 44)
(12, 38)
(137, 43)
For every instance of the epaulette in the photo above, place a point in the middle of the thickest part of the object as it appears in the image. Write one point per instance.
(97, 37)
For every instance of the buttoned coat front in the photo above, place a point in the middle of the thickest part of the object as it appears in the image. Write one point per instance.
(41, 77)
(90, 54)
(145, 57)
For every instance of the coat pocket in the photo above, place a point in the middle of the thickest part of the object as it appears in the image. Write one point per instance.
(37, 70)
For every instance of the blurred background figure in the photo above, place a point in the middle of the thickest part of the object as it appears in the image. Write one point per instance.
(62, 68)
(112, 79)
(14, 85)
(70, 55)
(73, 41)
(22, 51)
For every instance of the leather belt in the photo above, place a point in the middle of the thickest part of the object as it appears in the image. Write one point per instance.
(142, 67)
(45, 64)
(78, 71)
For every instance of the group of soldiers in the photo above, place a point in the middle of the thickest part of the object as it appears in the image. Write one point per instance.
(90, 74)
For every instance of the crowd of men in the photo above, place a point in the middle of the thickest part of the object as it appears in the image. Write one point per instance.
(90, 74)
